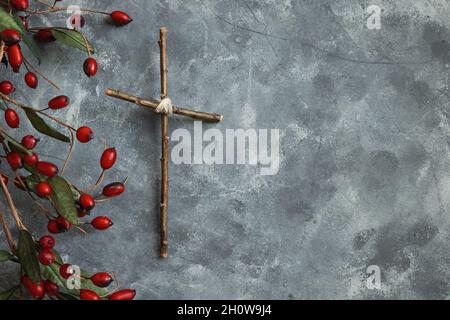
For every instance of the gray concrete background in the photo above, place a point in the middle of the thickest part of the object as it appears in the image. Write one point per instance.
(364, 176)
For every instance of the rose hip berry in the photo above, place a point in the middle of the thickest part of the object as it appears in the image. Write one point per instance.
(24, 20)
(87, 202)
(44, 35)
(12, 118)
(102, 279)
(14, 160)
(84, 134)
(126, 294)
(47, 242)
(114, 189)
(30, 142)
(90, 67)
(53, 227)
(47, 169)
(59, 102)
(6, 87)
(63, 223)
(15, 57)
(31, 160)
(19, 4)
(43, 189)
(101, 223)
(120, 18)
(51, 288)
(46, 257)
(36, 290)
(86, 294)
(31, 80)
(66, 271)
(108, 158)
(10, 37)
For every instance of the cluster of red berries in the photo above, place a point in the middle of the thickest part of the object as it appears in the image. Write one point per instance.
(47, 287)
(12, 37)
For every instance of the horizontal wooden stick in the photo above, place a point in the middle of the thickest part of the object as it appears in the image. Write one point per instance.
(152, 104)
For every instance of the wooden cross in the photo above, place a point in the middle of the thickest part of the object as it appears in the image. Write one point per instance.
(156, 105)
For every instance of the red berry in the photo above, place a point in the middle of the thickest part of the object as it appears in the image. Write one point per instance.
(10, 37)
(126, 294)
(113, 189)
(46, 257)
(120, 18)
(87, 202)
(37, 290)
(63, 223)
(30, 142)
(53, 227)
(43, 189)
(86, 294)
(6, 87)
(47, 242)
(108, 158)
(47, 169)
(84, 134)
(82, 213)
(25, 21)
(101, 223)
(90, 67)
(14, 160)
(59, 102)
(4, 178)
(12, 118)
(66, 271)
(19, 4)
(44, 35)
(31, 80)
(31, 160)
(102, 279)
(51, 288)
(15, 57)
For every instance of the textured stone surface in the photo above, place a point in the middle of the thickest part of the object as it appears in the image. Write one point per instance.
(364, 174)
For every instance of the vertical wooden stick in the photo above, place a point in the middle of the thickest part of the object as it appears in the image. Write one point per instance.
(165, 147)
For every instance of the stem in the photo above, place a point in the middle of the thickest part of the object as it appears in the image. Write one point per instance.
(52, 9)
(8, 235)
(69, 154)
(2, 50)
(25, 107)
(152, 104)
(13, 208)
(165, 146)
(86, 43)
(34, 69)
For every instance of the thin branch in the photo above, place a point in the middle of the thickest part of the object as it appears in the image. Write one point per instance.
(153, 104)
(58, 9)
(34, 69)
(69, 154)
(8, 234)
(20, 225)
(164, 146)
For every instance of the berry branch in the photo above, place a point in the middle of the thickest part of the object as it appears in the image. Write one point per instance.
(43, 272)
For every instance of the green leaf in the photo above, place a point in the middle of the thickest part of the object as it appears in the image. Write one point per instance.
(5, 256)
(26, 253)
(62, 197)
(7, 21)
(27, 39)
(72, 38)
(9, 294)
(40, 125)
(14, 144)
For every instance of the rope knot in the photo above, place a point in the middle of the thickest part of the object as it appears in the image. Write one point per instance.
(165, 106)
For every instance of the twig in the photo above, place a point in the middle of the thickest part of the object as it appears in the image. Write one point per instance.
(28, 64)
(69, 154)
(152, 104)
(25, 107)
(58, 9)
(2, 50)
(8, 235)
(165, 146)
(12, 207)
